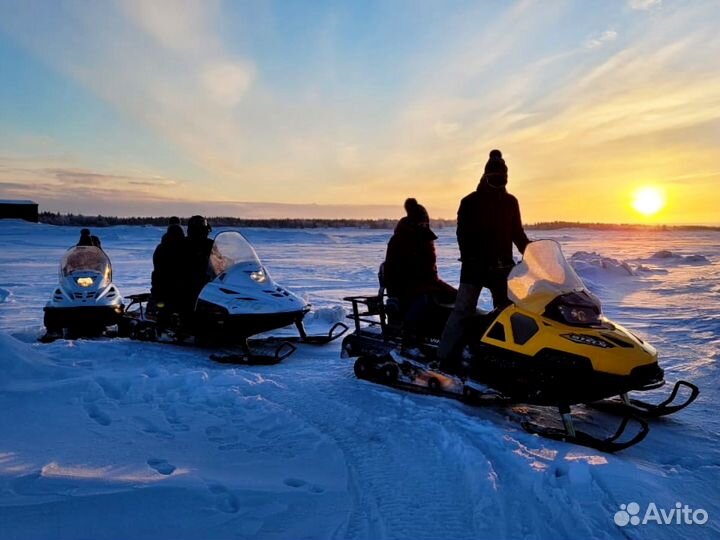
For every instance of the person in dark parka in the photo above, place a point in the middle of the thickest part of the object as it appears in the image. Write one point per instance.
(197, 254)
(88, 240)
(169, 274)
(410, 269)
(85, 238)
(488, 225)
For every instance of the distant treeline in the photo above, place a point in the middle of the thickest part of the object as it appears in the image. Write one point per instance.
(550, 225)
(276, 223)
(311, 223)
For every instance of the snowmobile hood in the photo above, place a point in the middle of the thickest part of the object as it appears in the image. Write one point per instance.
(241, 284)
(86, 264)
(543, 275)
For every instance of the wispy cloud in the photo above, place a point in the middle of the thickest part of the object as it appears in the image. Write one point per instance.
(644, 5)
(32, 178)
(601, 39)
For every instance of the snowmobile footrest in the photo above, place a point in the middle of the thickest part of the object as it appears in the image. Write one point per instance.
(650, 410)
(249, 358)
(610, 444)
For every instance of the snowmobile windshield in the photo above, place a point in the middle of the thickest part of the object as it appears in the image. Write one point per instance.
(86, 260)
(543, 275)
(230, 248)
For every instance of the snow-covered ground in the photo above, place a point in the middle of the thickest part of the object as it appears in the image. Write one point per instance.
(117, 439)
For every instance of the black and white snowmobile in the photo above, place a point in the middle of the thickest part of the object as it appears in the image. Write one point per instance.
(551, 347)
(240, 301)
(85, 301)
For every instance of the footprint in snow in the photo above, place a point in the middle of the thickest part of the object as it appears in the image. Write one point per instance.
(147, 426)
(218, 434)
(161, 466)
(225, 501)
(94, 412)
(298, 483)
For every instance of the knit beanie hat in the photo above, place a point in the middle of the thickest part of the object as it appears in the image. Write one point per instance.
(416, 212)
(496, 170)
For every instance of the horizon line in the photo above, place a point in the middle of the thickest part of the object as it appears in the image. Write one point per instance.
(126, 220)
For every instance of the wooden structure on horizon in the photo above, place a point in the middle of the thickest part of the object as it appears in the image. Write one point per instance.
(19, 209)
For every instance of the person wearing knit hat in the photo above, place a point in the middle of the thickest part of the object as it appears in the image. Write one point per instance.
(410, 271)
(496, 171)
(168, 281)
(488, 225)
(416, 212)
(85, 238)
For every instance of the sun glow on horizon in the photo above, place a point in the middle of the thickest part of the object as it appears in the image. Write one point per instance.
(649, 200)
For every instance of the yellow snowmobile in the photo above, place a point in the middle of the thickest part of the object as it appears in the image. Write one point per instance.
(552, 346)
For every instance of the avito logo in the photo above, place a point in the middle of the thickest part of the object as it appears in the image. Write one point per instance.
(681, 514)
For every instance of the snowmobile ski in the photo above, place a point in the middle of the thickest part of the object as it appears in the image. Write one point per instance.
(627, 405)
(336, 330)
(253, 358)
(568, 433)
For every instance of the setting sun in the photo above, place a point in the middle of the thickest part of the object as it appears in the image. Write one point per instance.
(649, 200)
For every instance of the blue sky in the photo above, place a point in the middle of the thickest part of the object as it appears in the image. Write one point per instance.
(135, 107)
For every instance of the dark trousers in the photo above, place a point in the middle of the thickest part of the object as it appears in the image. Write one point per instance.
(466, 306)
(423, 314)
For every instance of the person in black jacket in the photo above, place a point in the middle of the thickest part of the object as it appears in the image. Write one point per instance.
(85, 238)
(488, 225)
(169, 273)
(197, 255)
(410, 271)
(88, 240)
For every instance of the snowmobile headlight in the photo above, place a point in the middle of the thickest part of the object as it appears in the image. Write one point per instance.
(588, 340)
(259, 277)
(85, 281)
(578, 314)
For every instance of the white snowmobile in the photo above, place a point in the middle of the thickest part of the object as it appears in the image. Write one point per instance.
(85, 302)
(240, 301)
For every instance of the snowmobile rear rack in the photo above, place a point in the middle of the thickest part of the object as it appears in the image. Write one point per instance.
(627, 405)
(369, 310)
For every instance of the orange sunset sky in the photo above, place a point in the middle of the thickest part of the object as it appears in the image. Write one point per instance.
(343, 109)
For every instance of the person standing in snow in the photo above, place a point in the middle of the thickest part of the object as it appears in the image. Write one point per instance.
(410, 270)
(168, 279)
(488, 224)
